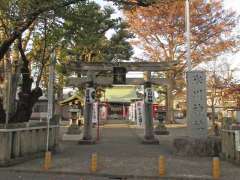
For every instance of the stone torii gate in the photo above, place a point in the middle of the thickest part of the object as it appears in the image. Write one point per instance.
(115, 73)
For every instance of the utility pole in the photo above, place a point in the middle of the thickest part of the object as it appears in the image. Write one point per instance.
(188, 35)
(50, 94)
(48, 154)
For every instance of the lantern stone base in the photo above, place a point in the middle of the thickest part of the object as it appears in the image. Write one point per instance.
(72, 137)
(87, 142)
(161, 130)
(73, 133)
(189, 146)
(74, 130)
(152, 140)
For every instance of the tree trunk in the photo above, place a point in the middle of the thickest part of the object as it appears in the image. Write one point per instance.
(170, 99)
(27, 97)
(25, 104)
(213, 114)
(7, 87)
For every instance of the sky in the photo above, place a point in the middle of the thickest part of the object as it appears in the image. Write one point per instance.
(233, 59)
(235, 5)
(229, 4)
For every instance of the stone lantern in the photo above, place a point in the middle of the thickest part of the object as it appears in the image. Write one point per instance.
(161, 129)
(75, 112)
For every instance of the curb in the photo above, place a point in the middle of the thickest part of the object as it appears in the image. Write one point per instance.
(110, 176)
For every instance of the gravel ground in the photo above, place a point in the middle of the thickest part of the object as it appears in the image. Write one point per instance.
(120, 153)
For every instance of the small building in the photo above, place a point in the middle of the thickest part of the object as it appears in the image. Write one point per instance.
(118, 99)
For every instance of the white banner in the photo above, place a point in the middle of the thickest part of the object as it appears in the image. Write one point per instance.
(130, 112)
(140, 113)
(95, 112)
(103, 113)
(133, 112)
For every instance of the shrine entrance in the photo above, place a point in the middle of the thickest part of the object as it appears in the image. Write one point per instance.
(94, 75)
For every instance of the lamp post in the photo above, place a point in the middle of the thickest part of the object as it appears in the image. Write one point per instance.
(48, 155)
(50, 96)
(188, 35)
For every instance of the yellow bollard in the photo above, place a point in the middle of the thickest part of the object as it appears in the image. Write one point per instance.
(94, 163)
(47, 160)
(162, 168)
(216, 168)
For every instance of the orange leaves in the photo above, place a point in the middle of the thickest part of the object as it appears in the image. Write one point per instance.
(160, 29)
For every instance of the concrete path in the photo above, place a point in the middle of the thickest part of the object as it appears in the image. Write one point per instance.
(120, 153)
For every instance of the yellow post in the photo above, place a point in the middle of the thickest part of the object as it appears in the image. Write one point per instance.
(94, 163)
(216, 168)
(162, 168)
(47, 160)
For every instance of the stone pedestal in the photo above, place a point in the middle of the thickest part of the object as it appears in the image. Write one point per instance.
(87, 141)
(72, 137)
(150, 141)
(73, 133)
(189, 146)
(74, 129)
(161, 130)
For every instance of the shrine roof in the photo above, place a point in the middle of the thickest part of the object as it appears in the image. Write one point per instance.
(70, 99)
(121, 94)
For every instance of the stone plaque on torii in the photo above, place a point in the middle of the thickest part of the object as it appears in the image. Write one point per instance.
(92, 71)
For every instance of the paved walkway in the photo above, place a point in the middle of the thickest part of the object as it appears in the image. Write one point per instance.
(121, 153)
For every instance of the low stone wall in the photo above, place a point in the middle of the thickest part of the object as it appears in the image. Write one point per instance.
(19, 144)
(229, 149)
(188, 146)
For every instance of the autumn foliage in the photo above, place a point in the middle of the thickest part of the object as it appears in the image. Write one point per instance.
(160, 30)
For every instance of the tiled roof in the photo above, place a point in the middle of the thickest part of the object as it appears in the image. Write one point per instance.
(121, 94)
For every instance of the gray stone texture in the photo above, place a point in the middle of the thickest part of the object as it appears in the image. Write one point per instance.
(196, 104)
(17, 145)
(120, 153)
(74, 129)
(187, 146)
(87, 128)
(5, 146)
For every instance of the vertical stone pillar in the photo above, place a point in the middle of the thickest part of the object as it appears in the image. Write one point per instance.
(148, 130)
(148, 99)
(197, 104)
(87, 132)
(5, 147)
(238, 116)
(16, 143)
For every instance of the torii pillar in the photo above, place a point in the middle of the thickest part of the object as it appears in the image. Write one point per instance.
(149, 137)
(88, 108)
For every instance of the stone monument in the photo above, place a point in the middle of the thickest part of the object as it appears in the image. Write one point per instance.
(197, 142)
(197, 104)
